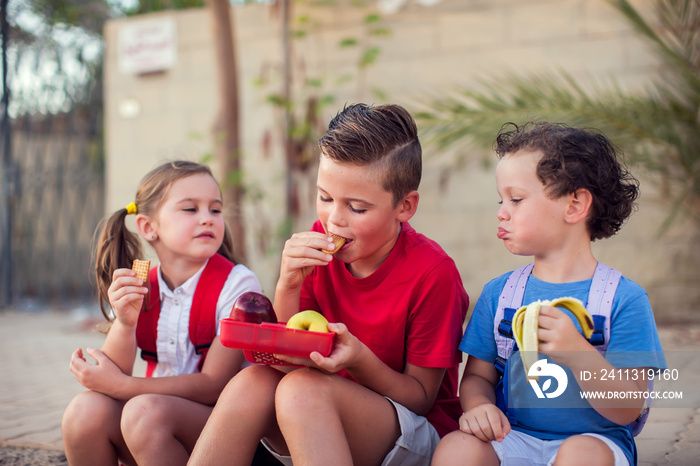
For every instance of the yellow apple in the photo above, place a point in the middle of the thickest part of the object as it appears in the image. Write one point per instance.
(308, 320)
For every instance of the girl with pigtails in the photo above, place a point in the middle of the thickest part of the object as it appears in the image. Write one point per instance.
(126, 419)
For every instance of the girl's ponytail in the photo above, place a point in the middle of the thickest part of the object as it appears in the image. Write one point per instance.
(116, 248)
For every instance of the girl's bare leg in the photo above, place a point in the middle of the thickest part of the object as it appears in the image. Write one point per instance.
(162, 429)
(91, 433)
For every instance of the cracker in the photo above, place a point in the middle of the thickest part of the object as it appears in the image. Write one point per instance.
(141, 268)
(338, 241)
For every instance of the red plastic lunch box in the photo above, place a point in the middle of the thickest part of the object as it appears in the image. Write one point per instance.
(260, 342)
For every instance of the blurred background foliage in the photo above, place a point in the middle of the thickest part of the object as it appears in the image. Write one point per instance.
(659, 129)
(56, 52)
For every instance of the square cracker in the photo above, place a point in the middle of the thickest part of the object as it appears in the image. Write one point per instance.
(338, 241)
(141, 268)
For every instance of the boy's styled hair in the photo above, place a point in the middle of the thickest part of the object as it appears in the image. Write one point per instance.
(575, 158)
(117, 246)
(385, 135)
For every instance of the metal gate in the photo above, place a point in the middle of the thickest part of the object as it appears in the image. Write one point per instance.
(52, 187)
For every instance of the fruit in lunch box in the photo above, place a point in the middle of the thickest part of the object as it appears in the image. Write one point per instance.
(308, 320)
(253, 308)
(526, 322)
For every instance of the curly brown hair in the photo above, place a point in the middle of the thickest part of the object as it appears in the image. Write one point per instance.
(575, 158)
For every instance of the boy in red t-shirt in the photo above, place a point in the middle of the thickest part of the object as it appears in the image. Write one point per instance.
(387, 392)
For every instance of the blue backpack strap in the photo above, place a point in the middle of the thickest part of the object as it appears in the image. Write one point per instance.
(600, 302)
(510, 301)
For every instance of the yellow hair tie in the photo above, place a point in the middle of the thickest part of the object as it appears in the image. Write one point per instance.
(131, 209)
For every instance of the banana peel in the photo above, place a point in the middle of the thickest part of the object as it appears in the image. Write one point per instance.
(525, 325)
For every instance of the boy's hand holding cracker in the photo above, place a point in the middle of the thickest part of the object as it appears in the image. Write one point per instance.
(302, 252)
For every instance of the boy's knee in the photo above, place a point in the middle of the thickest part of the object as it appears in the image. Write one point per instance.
(263, 378)
(460, 448)
(302, 390)
(258, 374)
(584, 450)
(251, 391)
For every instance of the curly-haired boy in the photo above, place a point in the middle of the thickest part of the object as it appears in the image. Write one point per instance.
(561, 188)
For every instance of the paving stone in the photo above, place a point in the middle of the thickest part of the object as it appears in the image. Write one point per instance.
(685, 453)
(692, 435)
(662, 430)
(653, 451)
(36, 386)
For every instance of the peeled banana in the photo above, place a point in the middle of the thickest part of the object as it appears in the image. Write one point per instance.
(525, 325)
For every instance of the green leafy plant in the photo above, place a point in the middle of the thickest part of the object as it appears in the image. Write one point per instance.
(302, 97)
(658, 129)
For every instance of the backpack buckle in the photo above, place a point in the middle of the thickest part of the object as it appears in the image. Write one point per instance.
(598, 336)
(500, 364)
(200, 349)
(505, 328)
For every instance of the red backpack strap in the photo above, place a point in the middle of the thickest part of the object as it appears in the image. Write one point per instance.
(202, 327)
(147, 326)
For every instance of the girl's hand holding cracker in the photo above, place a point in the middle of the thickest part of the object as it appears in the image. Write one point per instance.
(126, 295)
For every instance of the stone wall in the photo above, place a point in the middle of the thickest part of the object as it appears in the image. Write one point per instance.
(429, 50)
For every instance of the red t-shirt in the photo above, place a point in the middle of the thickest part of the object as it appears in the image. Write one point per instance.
(411, 309)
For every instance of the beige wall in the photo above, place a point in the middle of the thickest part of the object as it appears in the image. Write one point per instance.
(429, 50)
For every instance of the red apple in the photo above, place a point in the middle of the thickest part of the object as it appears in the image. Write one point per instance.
(254, 308)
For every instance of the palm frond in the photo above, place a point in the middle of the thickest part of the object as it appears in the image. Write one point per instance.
(658, 129)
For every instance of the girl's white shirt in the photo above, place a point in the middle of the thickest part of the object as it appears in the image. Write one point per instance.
(176, 353)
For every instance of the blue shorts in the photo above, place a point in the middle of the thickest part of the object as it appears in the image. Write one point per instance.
(519, 448)
(414, 447)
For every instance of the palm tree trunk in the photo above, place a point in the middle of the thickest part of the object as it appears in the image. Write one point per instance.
(226, 126)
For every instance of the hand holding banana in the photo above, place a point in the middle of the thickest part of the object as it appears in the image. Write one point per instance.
(525, 326)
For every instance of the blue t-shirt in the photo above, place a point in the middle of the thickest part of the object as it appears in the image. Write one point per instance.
(633, 332)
